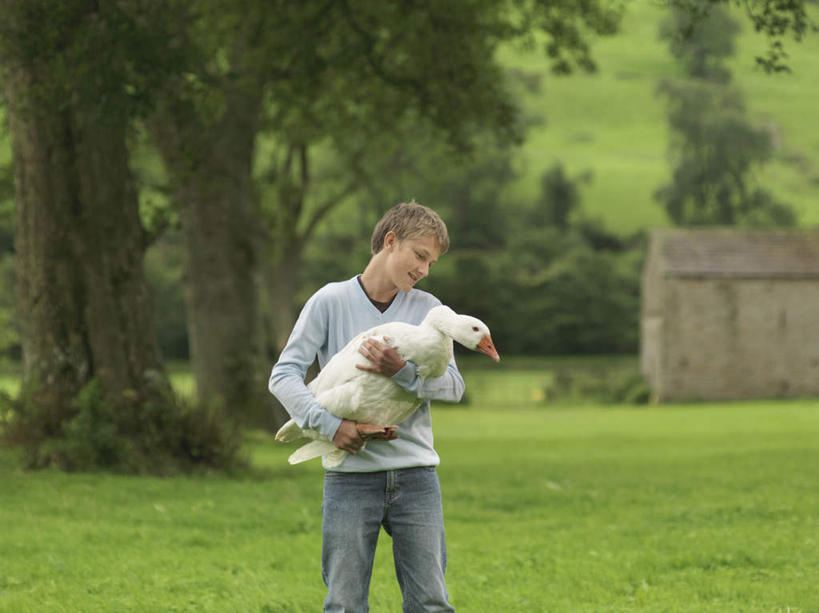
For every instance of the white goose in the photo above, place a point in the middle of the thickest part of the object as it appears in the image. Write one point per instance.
(370, 398)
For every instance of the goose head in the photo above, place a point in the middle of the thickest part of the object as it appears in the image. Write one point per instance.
(469, 331)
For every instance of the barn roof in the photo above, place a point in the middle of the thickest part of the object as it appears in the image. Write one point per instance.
(734, 252)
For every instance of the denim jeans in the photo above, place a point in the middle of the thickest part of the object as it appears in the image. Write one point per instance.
(407, 503)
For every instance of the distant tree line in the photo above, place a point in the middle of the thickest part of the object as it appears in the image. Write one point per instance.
(251, 122)
(547, 279)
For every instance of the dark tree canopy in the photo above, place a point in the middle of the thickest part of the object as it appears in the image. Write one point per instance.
(701, 42)
(714, 148)
(775, 19)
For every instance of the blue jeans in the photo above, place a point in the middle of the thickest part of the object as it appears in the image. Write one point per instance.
(407, 503)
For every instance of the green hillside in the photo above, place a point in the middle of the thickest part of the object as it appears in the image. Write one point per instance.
(613, 123)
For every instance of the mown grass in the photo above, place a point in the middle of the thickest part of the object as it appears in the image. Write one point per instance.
(674, 508)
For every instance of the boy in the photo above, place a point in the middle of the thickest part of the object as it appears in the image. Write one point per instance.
(391, 483)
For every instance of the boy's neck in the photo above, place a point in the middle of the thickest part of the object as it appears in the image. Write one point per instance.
(376, 283)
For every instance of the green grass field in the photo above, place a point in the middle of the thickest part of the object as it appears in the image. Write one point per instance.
(673, 508)
(613, 123)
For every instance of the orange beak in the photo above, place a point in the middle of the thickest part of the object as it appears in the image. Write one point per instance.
(487, 348)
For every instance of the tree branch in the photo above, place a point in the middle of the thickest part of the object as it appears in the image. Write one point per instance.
(327, 206)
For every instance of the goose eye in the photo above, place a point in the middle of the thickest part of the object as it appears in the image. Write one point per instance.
(474, 328)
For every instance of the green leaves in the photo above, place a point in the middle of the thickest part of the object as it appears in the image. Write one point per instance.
(714, 147)
(776, 19)
(111, 56)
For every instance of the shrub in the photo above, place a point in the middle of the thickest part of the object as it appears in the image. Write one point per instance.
(599, 384)
(158, 436)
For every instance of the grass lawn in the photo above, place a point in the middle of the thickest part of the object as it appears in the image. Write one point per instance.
(676, 508)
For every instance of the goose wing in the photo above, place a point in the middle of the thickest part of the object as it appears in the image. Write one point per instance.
(351, 393)
(342, 366)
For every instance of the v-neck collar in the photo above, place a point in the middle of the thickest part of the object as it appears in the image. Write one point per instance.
(372, 303)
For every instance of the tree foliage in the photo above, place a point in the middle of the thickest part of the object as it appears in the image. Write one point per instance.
(545, 283)
(775, 19)
(9, 335)
(110, 57)
(74, 76)
(701, 42)
(714, 149)
(559, 198)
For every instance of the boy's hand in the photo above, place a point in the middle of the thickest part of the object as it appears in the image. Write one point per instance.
(371, 432)
(385, 359)
(351, 436)
(348, 438)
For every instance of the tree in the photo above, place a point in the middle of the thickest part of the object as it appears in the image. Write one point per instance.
(301, 199)
(773, 18)
(205, 128)
(306, 74)
(559, 198)
(715, 151)
(713, 147)
(701, 41)
(73, 75)
(9, 338)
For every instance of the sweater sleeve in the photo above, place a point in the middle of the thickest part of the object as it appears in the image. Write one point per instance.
(449, 387)
(287, 378)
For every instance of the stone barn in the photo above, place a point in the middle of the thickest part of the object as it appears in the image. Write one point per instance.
(731, 314)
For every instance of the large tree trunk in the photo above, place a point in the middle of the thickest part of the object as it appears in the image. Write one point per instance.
(214, 191)
(83, 300)
(221, 291)
(283, 281)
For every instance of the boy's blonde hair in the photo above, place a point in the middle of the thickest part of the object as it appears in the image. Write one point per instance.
(410, 220)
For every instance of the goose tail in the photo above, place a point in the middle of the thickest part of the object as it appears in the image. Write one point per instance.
(312, 450)
(289, 432)
(335, 458)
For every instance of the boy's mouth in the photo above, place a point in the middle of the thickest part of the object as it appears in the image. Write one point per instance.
(414, 278)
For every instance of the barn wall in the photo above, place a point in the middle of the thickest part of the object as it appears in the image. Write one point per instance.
(651, 316)
(739, 338)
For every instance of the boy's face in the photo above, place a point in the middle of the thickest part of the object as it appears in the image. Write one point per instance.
(409, 261)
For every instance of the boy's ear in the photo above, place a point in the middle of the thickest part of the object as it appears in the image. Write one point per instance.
(390, 239)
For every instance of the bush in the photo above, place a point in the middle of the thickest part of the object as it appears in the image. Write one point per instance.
(599, 384)
(160, 436)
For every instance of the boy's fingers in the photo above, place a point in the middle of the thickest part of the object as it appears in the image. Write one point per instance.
(354, 446)
(377, 433)
(366, 430)
(368, 351)
(348, 437)
(385, 436)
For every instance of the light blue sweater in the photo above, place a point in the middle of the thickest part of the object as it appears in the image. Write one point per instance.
(329, 320)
